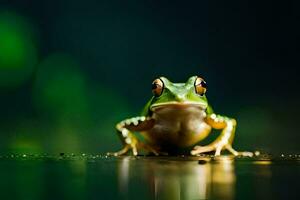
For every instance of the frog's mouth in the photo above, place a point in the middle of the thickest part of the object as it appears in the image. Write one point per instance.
(177, 105)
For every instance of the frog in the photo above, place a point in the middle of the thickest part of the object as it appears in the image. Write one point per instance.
(177, 116)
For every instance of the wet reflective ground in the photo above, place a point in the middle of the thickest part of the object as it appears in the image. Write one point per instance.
(100, 177)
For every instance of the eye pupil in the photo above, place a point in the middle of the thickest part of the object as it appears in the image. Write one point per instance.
(154, 86)
(203, 84)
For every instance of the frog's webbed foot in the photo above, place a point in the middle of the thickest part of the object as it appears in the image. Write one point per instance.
(130, 143)
(121, 152)
(135, 147)
(239, 153)
(224, 141)
(129, 140)
(218, 147)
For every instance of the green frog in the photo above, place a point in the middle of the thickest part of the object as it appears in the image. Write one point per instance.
(178, 116)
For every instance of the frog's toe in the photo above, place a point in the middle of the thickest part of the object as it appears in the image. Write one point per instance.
(119, 153)
(124, 151)
(134, 151)
(239, 153)
(202, 149)
(245, 154)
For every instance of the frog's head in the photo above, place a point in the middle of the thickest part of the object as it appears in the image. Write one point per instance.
(181, 95)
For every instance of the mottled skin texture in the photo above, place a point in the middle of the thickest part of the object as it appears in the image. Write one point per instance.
(178, 116)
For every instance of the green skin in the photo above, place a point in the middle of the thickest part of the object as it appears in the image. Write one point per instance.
(178, 118)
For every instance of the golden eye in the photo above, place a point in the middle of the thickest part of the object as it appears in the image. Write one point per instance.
(157, 87)
(200, 86)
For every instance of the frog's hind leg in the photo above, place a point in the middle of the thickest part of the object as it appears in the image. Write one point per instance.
(129, 140)
(224, 141)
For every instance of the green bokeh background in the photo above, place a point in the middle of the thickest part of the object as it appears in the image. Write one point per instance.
(69, 70)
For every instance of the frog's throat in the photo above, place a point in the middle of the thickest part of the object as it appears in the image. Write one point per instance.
(178, 105)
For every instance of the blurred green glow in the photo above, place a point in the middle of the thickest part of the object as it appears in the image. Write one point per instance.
(60, 97)
(78, 113)
(25, 146)
(26, 138)
(12, 49)
(60, 88)
(18, 53)
(109, 107)
(25, 143)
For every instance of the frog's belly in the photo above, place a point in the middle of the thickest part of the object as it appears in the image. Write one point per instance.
(177, 127)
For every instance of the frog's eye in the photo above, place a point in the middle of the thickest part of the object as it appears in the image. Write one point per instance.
(200, 86)
(157, 87)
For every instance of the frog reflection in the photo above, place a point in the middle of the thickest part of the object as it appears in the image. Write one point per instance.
(171, 179)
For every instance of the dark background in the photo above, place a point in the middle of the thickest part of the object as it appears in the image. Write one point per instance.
(69, 70)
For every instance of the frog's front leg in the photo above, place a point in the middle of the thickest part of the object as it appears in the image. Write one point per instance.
(224, 141)
(129, 140)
